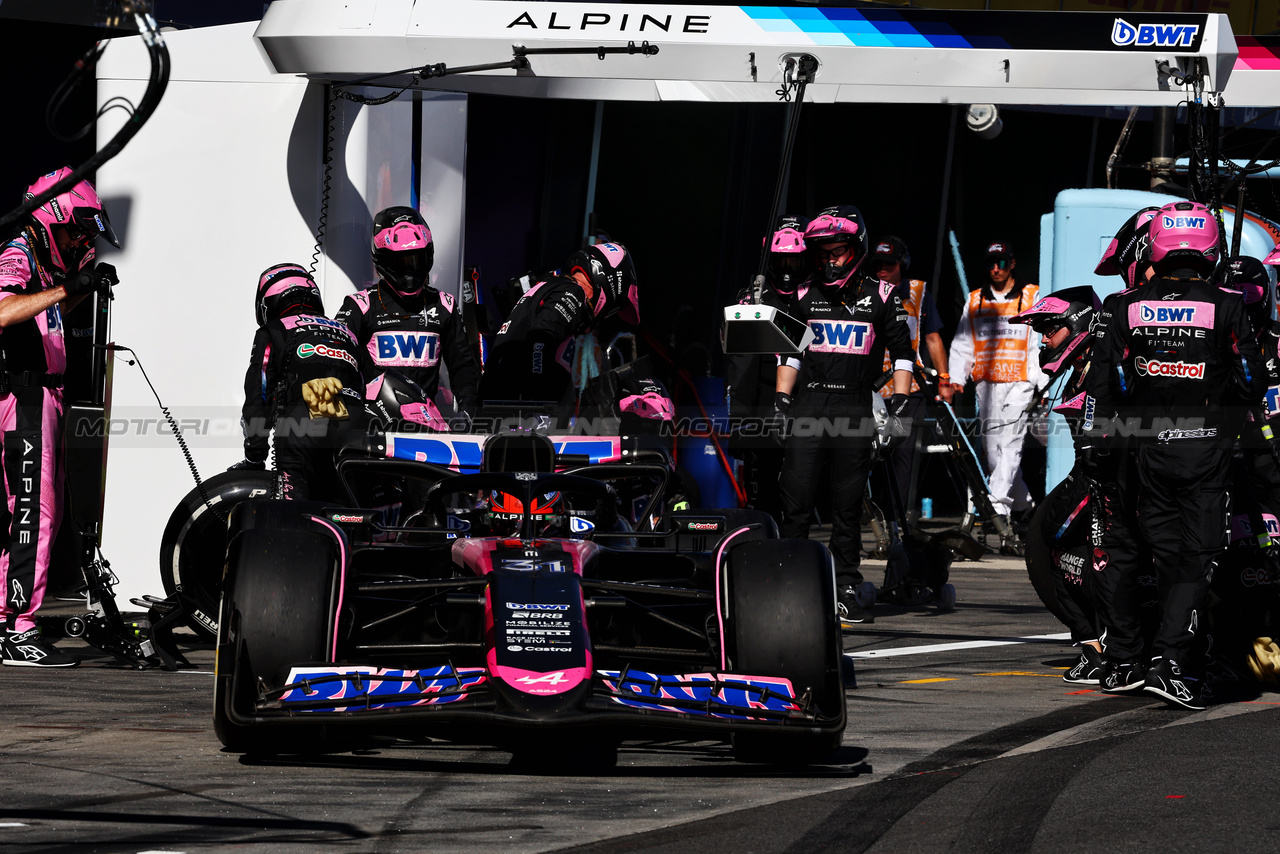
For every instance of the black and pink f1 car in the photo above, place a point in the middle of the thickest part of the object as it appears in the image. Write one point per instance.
(521, 599)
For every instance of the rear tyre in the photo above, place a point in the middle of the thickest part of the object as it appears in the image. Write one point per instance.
(781, 614)
(194, 544)
(1039, 556)
(277, 612)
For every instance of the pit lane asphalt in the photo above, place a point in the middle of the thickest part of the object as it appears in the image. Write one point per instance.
(958, 747)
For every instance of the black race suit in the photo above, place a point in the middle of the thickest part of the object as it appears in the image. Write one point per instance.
(831, 424)
(533, 351)
(411, 335)
(1247, 580)
(288, 353)
(1175, 360)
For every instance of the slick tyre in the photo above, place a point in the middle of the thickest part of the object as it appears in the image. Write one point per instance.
(277, 612)
(780, 613)
(1040, 563)
(194, 544)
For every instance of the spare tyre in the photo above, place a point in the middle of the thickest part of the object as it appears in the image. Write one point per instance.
(194, 544)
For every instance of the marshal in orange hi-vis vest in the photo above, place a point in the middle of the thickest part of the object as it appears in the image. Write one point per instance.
(999, 347)
(914, 299)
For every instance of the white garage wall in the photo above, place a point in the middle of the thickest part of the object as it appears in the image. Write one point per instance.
(222, 182)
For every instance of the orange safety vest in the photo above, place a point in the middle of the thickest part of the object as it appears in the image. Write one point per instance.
(1000, 347)
(915, 299)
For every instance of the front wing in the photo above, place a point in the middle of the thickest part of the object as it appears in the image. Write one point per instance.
(725, 701)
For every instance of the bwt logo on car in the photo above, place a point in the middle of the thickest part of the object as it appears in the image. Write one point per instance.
(1181, 370)
(1125, 34)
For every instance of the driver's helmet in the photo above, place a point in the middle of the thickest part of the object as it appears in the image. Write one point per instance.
(504, 512)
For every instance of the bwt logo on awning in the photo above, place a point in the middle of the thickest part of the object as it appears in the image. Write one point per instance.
(1124, 34)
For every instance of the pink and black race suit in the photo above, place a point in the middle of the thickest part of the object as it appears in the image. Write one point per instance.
(1176, 361)
(831, 416)
(31, 424)
(852, 326)
(412, 335)
(288, 353)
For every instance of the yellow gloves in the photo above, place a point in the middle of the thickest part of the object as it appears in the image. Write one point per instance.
(322, 397)
(1264, 661)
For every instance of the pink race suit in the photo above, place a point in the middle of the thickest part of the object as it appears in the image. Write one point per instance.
(31, 447)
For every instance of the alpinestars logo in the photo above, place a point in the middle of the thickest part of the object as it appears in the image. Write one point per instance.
(1125, 34)
(1178, 370)
(18, 598)
(1197, 433)
(31, 653)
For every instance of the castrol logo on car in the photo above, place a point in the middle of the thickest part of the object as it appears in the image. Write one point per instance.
(306, 351)
(1179, 370)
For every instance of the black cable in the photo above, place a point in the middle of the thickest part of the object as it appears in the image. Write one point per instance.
(325, 188)
(82, 68)
(177, 433)
(156, 85)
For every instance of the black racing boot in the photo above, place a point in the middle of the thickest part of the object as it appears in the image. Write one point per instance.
(1166, 680)
(1122, 677)
(28, 649)
(848, 609)
(1088, 670)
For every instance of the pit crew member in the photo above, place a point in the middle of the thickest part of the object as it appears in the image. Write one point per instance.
(403, 323)
(751, 379)
(535, 352)
(45, 271)
(1177, 355)
(303, 385)
(890, 261)
(855, 318)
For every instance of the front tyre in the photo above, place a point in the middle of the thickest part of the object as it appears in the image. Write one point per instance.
(779, 599)
(278, 611)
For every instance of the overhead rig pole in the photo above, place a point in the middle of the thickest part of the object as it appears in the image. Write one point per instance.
(797, 73)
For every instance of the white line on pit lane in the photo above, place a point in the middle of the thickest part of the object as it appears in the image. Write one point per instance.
(949, 647)
(198, 672)
(11, 824)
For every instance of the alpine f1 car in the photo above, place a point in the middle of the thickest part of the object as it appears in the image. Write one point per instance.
(516, 598)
